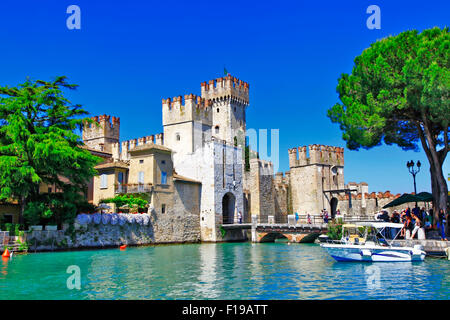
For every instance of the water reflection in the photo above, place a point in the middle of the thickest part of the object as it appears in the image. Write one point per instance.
(207, 279)
(220, 271)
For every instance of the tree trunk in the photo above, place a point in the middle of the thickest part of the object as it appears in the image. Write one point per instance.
(438, 184)
(22, 210)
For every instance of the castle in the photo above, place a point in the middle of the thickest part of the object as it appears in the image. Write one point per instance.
(197, 166)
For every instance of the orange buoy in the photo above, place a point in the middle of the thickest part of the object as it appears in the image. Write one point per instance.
(6, 253)
(123, 247)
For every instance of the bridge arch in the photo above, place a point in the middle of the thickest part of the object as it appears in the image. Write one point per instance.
(272, 236)
(298, 237)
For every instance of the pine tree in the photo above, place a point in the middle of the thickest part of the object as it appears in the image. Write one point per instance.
(39, 146)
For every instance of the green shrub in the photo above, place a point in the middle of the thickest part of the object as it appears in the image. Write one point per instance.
(335, 229)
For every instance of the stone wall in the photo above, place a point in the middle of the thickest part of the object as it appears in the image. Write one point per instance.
(262, 201)
(368, 204)
(168, 228)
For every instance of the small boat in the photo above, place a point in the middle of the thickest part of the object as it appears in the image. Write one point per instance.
(123, 247)
(365, 241)
(323, 238)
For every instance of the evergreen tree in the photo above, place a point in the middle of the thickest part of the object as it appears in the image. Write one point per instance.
(399, 93)
(39, 147)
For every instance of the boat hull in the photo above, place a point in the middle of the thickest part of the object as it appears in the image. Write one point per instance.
(360, 253)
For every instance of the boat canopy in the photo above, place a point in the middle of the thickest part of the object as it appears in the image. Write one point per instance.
(380, 225)
(348, 225)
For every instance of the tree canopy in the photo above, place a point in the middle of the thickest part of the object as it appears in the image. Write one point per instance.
(39, 147)
(398, 93)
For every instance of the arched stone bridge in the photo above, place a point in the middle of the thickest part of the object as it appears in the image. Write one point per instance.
(293, 233)
(264, 232)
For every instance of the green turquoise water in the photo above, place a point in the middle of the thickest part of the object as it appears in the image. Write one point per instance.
(219, 271)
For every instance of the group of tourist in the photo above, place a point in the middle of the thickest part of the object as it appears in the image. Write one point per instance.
(416, 221)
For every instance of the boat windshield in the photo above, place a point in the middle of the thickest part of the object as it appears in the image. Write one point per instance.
(353, 234)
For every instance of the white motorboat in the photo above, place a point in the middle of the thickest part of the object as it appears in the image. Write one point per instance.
(365, 241)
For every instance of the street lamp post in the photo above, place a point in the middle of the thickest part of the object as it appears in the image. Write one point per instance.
(410, 166)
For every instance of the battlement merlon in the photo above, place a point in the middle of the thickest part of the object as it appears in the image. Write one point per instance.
(191, 108)
(226, 87)
(263, 167)
(318, 154)
(327, 155)
(105, 127)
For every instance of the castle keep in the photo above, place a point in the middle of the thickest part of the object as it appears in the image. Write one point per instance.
(194, 172)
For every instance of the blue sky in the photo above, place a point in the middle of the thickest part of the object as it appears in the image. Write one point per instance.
(129, 55)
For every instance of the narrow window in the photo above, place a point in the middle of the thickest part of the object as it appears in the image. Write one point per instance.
(120, 177)
(163, 177)
(103, 181)
(141, 177)
(217, 129)
(217, 110)
(163, 208)
(178, 137)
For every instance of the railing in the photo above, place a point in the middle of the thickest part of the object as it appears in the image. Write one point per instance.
(305, 219)
(133, 188)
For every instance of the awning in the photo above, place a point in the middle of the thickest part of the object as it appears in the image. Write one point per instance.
(405, 198)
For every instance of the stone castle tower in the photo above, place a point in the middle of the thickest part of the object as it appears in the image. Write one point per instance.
(316, 178)
(187, 123)
(229, 98)
(102, 134)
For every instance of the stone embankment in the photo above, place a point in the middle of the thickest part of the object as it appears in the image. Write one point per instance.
(112, 230)
(431, 247)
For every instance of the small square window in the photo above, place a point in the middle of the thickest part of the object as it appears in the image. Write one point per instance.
(8, 218)
(141, 161)
(163, 161)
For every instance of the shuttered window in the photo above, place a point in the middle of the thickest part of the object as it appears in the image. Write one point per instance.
(141, 177)
(103, 181)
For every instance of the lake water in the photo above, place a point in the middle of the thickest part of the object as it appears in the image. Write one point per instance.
(219, 271)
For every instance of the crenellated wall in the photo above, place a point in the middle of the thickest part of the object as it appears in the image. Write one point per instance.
(227, 86)
(368, 204)
(316, 154)
(102, 133)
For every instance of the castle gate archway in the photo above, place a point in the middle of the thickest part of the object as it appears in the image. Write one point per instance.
(228, 207)
(333, 204)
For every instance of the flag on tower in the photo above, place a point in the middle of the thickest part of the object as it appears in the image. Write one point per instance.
(225, 71)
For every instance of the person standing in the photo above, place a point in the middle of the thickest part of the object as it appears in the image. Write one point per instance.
(240, 217)
(408, 227)
(296, 217)
(325, 216)
(417, 225)
(394, 219)
(441, 224)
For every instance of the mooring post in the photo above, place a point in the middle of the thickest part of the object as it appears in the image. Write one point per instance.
(254, 224)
